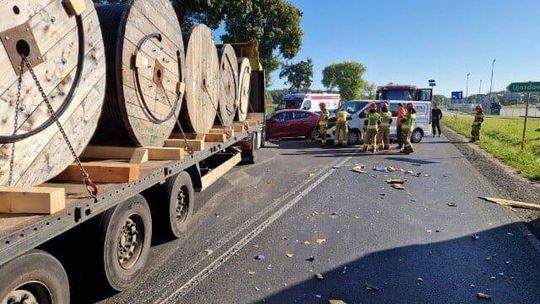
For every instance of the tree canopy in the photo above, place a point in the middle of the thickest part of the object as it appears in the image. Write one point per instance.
(348, 78)
(275, 24)
(299, 75)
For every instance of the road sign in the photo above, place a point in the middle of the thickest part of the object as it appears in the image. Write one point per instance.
(524, 87)
(457, 95)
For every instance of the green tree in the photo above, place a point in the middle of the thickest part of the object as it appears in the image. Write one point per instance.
(347, 77)
(299, 75)
(275, 24)
(278, 94)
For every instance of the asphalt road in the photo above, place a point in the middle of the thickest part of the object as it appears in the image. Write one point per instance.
(302, 211)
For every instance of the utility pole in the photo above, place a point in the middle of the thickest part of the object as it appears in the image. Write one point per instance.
(467, 86)
(480, 88)
(491, 84)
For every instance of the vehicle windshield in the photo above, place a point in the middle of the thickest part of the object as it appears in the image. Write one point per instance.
(286, 104)
(353, 106)
(398, 95)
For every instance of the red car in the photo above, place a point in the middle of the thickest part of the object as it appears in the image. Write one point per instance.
(291, 123)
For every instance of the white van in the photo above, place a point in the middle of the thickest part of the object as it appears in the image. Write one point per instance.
(309, 102)
(359, 108)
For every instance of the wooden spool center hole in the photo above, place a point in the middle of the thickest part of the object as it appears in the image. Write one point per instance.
(16, 10)
(23, 48)
(158, 74)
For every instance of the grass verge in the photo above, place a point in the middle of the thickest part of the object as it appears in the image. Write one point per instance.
(501, 137)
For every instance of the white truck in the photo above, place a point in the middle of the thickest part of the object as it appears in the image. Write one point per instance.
(393, 94)
(310, 102)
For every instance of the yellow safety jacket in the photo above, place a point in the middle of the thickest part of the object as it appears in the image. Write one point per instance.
(342, 117)
(373, 121)
(386, 119)
(323, 119)
(408, 121)
(478, 119)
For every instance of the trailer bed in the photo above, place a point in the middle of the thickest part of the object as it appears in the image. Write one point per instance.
(22, 232)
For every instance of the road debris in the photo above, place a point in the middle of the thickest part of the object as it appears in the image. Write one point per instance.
(359, 170)
(483, 296)
(380, 169)
(336, 167)
(488, 258)
(452, 205)
(310, 259)
(391, 169)
(260, 257)
(356, 217)
(289, 255)
(509, 203)
(251, 272)
(336, 302)
(395, 181)
(475, 237)
(398, 186)
(320, 241)
(371, 287)
(209, 251)
(318, 276)
(420, 280)
(306, 243)
(318, 296)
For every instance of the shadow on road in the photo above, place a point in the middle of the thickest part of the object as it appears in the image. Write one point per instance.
(442, 272)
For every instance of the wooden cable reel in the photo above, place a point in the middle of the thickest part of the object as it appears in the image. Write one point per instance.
(202, 81)
(145, 71)
(244, 78)
(62, 43)
(228, 100)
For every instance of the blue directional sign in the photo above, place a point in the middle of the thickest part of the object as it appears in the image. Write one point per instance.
(457, 95)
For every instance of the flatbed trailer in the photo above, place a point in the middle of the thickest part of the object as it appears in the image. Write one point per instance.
(170, 181)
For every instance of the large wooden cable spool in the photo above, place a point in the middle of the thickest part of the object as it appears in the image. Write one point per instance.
(145, 71)
(228, 98)
(244, 79)
(63, 45)
(202, 81)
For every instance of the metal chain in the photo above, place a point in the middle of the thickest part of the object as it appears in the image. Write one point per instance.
(16, 122)
(188, 148)
(90, 186)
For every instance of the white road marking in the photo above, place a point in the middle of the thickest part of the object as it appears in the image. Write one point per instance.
(203, 274)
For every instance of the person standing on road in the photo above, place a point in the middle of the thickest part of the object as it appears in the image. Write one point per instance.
(477, 124)
(322, 123)
(371, 125)
(407, 125)
(400, 113)
(436, 116)
(383, 136)
(342, 128)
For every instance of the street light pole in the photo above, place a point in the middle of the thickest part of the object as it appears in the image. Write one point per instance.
(491, 84)
(467, 86)
(480, 88)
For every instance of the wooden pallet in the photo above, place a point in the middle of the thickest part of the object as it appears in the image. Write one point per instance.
(33, 200)
(135, 155)
(195, 144)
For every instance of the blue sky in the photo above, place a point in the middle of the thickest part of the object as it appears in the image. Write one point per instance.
(411, 41)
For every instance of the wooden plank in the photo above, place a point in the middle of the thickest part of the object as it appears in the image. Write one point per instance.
(154, 153)
(229, 131)
(36, 200)
(216, 138)
(212, 176)
(187, 135)
(239, 127)
(251, 123)
(195, 144)
(102, 172)
(258, 117)
(139, 156)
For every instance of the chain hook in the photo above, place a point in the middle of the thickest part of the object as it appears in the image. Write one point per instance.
(91, 187)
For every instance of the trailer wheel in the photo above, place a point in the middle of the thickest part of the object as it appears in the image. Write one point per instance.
(126, 239)
(34, 277)
(174, 205)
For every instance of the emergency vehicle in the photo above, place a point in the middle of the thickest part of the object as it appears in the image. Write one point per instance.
(310, 102)
(393, 95)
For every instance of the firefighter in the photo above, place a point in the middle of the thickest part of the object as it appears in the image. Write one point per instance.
(371, 127)
(407, 126)
(342, 128)
(383, 136)
(322, 123)
(477, 124)
(400, 113)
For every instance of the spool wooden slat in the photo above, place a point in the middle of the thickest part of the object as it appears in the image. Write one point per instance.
(72, 74)
(202, 81)
(228, 98)
(244, 77)
(145, 66)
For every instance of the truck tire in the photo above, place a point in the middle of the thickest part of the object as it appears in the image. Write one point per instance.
(126, 234)
(173, 205)
(34, 277)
